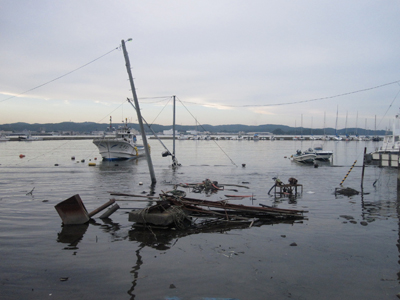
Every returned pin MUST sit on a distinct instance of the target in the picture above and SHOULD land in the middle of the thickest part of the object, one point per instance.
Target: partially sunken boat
(302, 157)
(320, 154)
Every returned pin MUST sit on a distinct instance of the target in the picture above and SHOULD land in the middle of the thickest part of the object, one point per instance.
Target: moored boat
(121, 146)
(391, 142)
(303, 157)
(3, 138)
(320, 154)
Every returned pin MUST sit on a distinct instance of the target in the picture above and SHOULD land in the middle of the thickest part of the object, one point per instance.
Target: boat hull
(304, 158)
(323, 155)
(320, 154)
(118, 150)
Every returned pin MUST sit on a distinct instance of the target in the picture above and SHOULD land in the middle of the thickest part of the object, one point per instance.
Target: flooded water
(347, 248)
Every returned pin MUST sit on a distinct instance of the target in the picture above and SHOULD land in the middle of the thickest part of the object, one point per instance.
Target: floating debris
(172, 210)
(31, 192)
(72, 211)
(346, 191)
(282, 189)
(208, 187)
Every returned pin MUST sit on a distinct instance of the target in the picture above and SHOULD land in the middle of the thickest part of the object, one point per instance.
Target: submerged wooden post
(139, 115)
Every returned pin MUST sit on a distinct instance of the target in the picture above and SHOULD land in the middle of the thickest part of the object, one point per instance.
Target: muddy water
(346, 248)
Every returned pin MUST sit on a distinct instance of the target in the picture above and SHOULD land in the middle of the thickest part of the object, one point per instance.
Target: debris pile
(207, 187)
(173, 209)
(179, 211)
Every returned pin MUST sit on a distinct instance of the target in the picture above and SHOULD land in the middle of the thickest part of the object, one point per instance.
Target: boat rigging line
(301, 101)
(167, 152)
(197, 122)
(59, 77)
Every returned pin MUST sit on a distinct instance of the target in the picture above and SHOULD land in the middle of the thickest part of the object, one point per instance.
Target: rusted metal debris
(289, 189)
(72, 211)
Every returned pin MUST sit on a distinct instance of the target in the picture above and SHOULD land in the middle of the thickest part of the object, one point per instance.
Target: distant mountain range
(89, 127)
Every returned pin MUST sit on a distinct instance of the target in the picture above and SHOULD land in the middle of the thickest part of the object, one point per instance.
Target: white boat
(320, 153)
(121, 146)
(391, 143)
(29, 138)
(337, 138)
(303, 157)
(4, 138)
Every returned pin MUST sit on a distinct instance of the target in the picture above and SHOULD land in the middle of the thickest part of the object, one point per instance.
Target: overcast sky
(228, 62)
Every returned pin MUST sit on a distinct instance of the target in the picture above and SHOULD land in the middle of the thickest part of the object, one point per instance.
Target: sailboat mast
(301, 130)
(173, 130)
(139, 115)
(357, 125)
(337, 114)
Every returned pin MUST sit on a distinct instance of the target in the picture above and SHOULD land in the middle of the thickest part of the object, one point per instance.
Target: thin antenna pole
(135, 98)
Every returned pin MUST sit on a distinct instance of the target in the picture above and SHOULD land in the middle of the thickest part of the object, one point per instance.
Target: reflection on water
(163, 239)
(118, 165)
(72, 235)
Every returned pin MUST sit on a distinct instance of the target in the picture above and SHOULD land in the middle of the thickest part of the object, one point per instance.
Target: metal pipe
(97, 210)
(110, 211)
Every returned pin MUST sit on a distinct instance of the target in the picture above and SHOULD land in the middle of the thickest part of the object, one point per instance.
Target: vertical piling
(363, 168)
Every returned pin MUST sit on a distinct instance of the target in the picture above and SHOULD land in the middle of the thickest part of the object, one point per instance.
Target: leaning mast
(139, 116)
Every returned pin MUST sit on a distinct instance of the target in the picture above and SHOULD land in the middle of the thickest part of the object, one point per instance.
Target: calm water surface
(346, 248)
